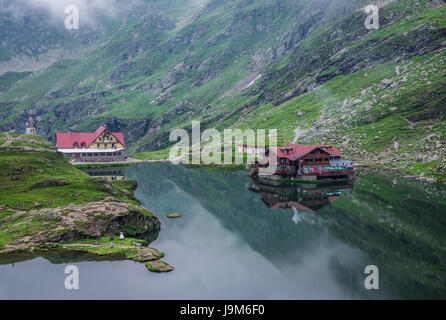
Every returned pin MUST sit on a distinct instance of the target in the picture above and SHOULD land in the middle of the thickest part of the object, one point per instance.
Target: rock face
(88, 220)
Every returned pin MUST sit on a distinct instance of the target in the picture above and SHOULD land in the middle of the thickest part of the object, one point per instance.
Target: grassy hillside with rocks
(47, 204)
(307, 68)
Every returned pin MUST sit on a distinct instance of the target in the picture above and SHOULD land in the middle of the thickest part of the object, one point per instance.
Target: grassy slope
(350, 106)
(130, 103)
(21, 170)
(24, 170)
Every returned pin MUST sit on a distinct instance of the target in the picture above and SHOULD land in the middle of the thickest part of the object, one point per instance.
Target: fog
(89, 10)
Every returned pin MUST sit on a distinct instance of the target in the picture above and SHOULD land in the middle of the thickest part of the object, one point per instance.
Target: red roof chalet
(296, 151)
(71, 140)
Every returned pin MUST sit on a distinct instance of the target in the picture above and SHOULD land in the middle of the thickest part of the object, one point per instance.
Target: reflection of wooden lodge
(302, 196)
(117, 173)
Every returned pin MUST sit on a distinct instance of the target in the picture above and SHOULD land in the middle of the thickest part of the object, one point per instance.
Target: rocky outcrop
(69, 227)
(72, 222)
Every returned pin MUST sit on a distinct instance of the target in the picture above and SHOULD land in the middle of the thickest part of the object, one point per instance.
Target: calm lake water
(241, 239)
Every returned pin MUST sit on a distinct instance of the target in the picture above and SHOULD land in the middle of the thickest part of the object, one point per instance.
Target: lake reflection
(241, 239)
(308, 197)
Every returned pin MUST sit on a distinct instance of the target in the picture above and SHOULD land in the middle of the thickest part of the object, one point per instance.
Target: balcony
(286, 170)
(336, 173)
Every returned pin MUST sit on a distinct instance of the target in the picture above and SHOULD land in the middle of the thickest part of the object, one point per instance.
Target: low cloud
(89, 10)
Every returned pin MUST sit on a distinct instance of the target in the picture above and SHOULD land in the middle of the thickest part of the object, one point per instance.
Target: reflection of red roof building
(302, 196)
(290, 204)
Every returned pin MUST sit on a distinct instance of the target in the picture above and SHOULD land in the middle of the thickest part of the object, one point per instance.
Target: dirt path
(8, 140)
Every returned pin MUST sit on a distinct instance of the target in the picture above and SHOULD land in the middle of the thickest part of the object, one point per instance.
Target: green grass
(153, 155)
(25, 174)
(8, 79)
(22, 170)
(39, 178)
(102, 246)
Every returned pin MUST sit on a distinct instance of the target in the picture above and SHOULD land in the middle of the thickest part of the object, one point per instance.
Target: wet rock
(159, 266)
(88, 220)
(173, 215)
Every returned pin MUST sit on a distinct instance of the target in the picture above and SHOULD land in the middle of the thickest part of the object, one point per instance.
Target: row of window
(109, 139)
(317, 160)
(105, 145)
(108, 154)
(83, 145)
(285, 161)
(76, 145)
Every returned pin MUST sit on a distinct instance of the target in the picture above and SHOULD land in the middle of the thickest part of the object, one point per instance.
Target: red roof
(297, 151)
(331, 150)
(67, 140)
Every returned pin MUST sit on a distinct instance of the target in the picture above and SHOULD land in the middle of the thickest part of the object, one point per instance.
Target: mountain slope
(306, 65)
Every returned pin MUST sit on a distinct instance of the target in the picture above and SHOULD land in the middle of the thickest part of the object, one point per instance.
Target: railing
(316, 163)
(329, 173)
(335, 173)
(285, 171)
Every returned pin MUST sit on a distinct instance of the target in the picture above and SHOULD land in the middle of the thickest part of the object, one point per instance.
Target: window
(75, 145)
(83, 144)
(98, 145)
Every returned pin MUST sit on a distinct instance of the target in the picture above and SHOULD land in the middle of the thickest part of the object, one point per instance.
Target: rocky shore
(47, 205)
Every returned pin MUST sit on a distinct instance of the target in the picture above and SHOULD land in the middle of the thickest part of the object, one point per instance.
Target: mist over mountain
(310, 69)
